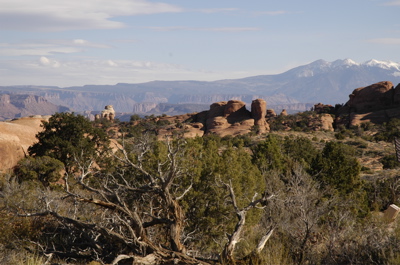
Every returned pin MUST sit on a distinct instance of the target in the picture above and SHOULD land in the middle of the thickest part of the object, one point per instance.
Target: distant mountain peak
(322, 66)
(349, 62)
(346, 62)
(383, 64)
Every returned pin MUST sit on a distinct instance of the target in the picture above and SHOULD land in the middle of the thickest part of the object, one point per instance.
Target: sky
(72, 43)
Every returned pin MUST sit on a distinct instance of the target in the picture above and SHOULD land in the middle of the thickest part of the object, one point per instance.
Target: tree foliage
(195, 201)
(337, 167)
(42, 168)
(67, 137)
(389, 131)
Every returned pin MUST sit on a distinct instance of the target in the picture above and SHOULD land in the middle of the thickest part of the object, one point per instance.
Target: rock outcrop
(259, 112)
(323, 108)
(228, 118)
(223, 118)
(271, 113)
(108, 113)
(376, 103)
(232, 118)
(326, 123)
(372, 98)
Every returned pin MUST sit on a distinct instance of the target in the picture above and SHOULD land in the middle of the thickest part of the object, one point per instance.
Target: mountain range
(295, 90)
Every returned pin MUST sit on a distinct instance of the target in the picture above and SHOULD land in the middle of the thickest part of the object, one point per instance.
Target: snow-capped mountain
(389, 65)
(321, 66)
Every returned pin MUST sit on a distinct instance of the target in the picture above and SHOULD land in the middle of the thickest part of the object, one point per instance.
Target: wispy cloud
(217, 10)
(273, 13)
(386, 41)
(392, 3)
(126, 40)
(80, 72)
(50, 15)
(220, 29)
(48, 47)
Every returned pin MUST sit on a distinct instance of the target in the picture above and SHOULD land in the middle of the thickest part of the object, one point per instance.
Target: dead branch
(228, 251)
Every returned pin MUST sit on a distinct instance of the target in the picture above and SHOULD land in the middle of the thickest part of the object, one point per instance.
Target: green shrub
(42, 168)
(390, 162)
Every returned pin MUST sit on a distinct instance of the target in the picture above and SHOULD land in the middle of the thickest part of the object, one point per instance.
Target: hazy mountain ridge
(22, 105)
(319, 81)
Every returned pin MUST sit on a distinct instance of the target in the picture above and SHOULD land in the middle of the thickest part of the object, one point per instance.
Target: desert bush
(43, 169)
(338, 167)
(388, 131)
(68, 137)
(390, 162)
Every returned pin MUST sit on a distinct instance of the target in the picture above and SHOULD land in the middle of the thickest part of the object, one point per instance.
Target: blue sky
(67, 43)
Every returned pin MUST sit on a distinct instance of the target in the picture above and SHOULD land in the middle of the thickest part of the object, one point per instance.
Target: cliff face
(147, 98)
(15, 105)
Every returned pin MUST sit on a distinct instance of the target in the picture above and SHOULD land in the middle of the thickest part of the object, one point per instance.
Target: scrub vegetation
(84, 195)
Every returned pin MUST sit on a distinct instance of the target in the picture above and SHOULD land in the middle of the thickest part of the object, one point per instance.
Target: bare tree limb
(228, 251)
(263, 241)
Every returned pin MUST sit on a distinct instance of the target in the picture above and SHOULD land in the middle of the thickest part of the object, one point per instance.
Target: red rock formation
(235, 107)
(326, 122)
(284, 113)
(228, 118)
(376, 103)
(322, 108)
(371, 98)
(271, 113)
(108, 113)
(396, 96)
(15, 138)
(217, 109)
(259, 112)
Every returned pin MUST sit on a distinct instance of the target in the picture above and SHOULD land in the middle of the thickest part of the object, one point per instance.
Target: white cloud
(234, 29)
(51, 15)
(217, 10)
(392, 3)
(49, 62)
(222, 29)
(126, 40)
(112, 63)
(48, 47)
(272, 13)
(386, 41)
(47, 71)
(80, 41)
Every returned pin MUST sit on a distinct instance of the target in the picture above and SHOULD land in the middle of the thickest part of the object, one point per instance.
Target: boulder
(271, 113)
(391, 212)
(284, 113)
